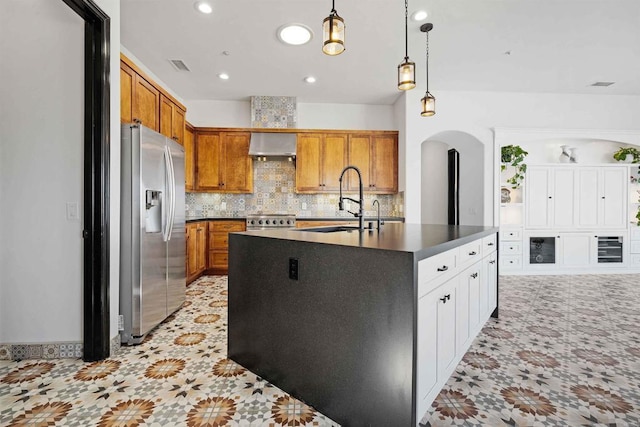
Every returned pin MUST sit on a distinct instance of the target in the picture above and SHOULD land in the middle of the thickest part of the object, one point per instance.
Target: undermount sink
(332, 229)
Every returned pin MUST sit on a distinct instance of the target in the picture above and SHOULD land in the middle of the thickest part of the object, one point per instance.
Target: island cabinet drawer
(635, 233)
(489, 244)
(470, 253)
(434, 270)
(634, 248)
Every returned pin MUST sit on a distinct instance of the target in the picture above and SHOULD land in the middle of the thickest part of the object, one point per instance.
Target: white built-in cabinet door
(538, 201)
(550, 197)
(576, 197)
(601, 197)
(613, 184)
(575, 249)
(563, 185)
(588, 199)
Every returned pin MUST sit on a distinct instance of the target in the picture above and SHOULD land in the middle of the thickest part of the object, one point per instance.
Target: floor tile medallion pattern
(179, 376)
(565, 352)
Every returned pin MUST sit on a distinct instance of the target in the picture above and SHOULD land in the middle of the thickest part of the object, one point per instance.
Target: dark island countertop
(194, 218)
(423, 240)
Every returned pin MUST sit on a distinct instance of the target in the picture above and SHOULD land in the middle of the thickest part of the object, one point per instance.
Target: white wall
(41, 155)
(478, 113)
(310, 116)
(41, 170)
(435, 183)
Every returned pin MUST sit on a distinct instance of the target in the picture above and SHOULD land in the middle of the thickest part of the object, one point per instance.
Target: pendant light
(407, 69)
(333, 32)
(429, 101)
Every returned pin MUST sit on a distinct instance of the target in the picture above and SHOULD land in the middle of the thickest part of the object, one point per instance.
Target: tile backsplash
(274, 192)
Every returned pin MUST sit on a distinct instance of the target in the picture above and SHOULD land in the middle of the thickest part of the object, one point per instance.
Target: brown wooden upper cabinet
(171, 119)
(320, 157)
(140, 100)
(189, 158)
(145, 102)
(223, 163)
(376, 155)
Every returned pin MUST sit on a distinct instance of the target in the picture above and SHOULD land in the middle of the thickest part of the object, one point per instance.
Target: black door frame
(97, 122)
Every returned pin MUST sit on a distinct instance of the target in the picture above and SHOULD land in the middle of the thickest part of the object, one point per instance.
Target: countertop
(424, 240)
(341, 219)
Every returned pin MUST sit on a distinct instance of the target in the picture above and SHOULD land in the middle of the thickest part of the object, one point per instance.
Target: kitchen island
(366, 327)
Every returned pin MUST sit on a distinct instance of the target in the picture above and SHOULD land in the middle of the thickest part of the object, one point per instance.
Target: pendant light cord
(333, 7)
(427, 62)
(406, 30)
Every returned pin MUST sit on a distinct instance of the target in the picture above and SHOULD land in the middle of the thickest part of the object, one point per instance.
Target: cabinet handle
(443, 268)
(492, 262)
(474, 275)
(445, 298)
(490, 244)
(472, 253)
(603, 197)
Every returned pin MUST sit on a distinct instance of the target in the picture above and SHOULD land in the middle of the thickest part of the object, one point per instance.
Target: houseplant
(623, 152)
(513, 155)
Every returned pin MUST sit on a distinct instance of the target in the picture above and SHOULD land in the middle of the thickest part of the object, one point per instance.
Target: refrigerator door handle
(172, 186)
(166, 209)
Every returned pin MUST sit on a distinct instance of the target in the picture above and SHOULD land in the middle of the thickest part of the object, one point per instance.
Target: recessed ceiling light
(294, 34)
(203, 6)
(419, 15)
(223, 76)
(310, 79)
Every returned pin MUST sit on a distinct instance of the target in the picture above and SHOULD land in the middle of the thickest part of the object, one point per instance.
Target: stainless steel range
(270, 221)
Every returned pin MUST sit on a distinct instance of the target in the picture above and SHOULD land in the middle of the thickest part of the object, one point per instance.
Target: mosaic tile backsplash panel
(273, 111)
(274, 192)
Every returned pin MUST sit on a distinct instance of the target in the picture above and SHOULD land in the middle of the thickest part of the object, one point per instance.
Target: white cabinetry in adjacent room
(549, 199)
(576, 249)
(601, 197)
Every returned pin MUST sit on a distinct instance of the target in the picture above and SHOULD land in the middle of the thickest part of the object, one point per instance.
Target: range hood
(272, 144)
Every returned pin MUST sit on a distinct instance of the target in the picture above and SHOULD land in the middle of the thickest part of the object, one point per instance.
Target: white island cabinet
(457, 293)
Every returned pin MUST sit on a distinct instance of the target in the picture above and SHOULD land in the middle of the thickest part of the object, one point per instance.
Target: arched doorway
(434, 178)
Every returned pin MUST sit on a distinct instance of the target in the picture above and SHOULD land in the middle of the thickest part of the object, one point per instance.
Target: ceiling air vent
(602, 84)
(179, 65)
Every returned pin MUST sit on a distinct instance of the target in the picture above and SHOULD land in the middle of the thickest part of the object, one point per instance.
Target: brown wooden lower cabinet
(219, 243)
(208, 246)
(196, 262)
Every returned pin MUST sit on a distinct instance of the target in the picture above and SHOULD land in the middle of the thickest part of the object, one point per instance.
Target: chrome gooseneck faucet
(360, 213)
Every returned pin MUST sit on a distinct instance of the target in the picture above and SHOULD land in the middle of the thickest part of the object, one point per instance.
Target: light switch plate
(73, 213)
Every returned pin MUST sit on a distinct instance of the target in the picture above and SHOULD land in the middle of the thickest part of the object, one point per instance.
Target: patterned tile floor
(565, 352)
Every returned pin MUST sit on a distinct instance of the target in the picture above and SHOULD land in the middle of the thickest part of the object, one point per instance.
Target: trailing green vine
(514, 155)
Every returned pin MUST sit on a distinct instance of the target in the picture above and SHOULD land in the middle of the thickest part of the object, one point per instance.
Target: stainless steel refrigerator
(152, 231)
